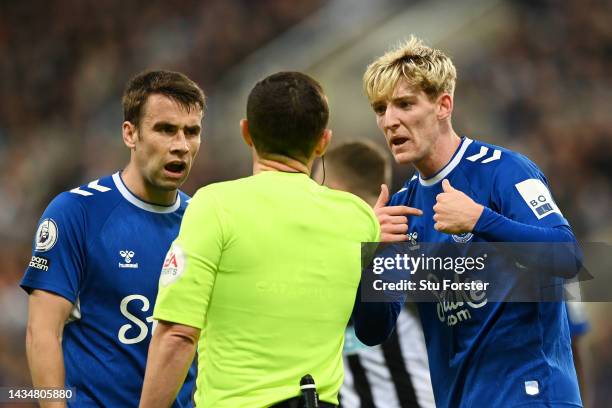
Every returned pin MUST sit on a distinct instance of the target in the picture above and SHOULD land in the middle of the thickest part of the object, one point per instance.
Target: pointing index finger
(401, 210)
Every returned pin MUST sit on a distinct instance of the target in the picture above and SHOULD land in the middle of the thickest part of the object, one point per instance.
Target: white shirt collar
(441, 175)
(127, 194)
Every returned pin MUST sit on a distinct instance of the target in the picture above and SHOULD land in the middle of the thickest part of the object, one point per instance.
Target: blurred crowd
(64, 66)
(546, 91)
(543, 89)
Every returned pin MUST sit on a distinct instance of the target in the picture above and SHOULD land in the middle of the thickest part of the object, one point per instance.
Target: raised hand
(393, 220)
(455, 212)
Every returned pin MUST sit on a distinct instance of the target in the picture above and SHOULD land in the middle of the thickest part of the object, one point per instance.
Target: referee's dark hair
(287, 113)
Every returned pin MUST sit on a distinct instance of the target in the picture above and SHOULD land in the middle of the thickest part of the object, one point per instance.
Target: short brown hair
(174, 85)
(287, 113)
(360, 166)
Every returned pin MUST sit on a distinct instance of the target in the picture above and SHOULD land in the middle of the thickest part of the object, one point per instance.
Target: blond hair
(425, 68)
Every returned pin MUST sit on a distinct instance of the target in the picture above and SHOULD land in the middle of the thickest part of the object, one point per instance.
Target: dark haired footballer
(99, 249)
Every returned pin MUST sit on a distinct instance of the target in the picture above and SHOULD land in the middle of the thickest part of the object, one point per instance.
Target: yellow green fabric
(271, 268)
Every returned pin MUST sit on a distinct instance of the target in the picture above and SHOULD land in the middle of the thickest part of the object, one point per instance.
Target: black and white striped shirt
(392, 375)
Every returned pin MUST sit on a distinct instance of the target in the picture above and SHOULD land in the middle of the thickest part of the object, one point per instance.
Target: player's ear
(130, 134)
(445, 106)
(246, 134)
(321, 146)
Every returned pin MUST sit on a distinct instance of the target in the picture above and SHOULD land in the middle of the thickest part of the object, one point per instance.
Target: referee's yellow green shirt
(268, 267)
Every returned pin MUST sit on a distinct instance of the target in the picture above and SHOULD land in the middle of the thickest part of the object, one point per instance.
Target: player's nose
(180, 143)
(391, 119)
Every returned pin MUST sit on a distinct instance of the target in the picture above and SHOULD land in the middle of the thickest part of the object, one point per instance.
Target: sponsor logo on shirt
(127, 256)
(455, 307)
(46, 235)
(137, 330)
(538, 197)
(39, 262)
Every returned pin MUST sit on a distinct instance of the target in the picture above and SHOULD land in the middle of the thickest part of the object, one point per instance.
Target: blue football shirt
(102, 248)
(484, 353)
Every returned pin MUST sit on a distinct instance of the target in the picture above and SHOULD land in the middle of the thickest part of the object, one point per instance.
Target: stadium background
(534, 76)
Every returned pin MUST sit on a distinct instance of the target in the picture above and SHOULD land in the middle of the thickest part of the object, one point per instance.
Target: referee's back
(274, 291)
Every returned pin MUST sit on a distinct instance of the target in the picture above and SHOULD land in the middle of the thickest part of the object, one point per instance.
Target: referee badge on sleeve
(174, 265)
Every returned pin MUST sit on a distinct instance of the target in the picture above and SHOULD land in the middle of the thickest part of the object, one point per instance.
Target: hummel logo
(412, 239)
(127, 257)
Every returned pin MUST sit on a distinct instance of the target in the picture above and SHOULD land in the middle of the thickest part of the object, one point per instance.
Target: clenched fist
(455, 212)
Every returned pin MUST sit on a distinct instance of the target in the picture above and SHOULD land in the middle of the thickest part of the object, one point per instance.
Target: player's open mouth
(398, 140)
(176, 167)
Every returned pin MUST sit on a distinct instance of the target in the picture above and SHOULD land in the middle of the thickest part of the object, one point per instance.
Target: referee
(264, 272)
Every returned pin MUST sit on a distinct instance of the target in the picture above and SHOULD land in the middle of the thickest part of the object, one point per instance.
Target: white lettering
(378, 269)
(144, 330)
